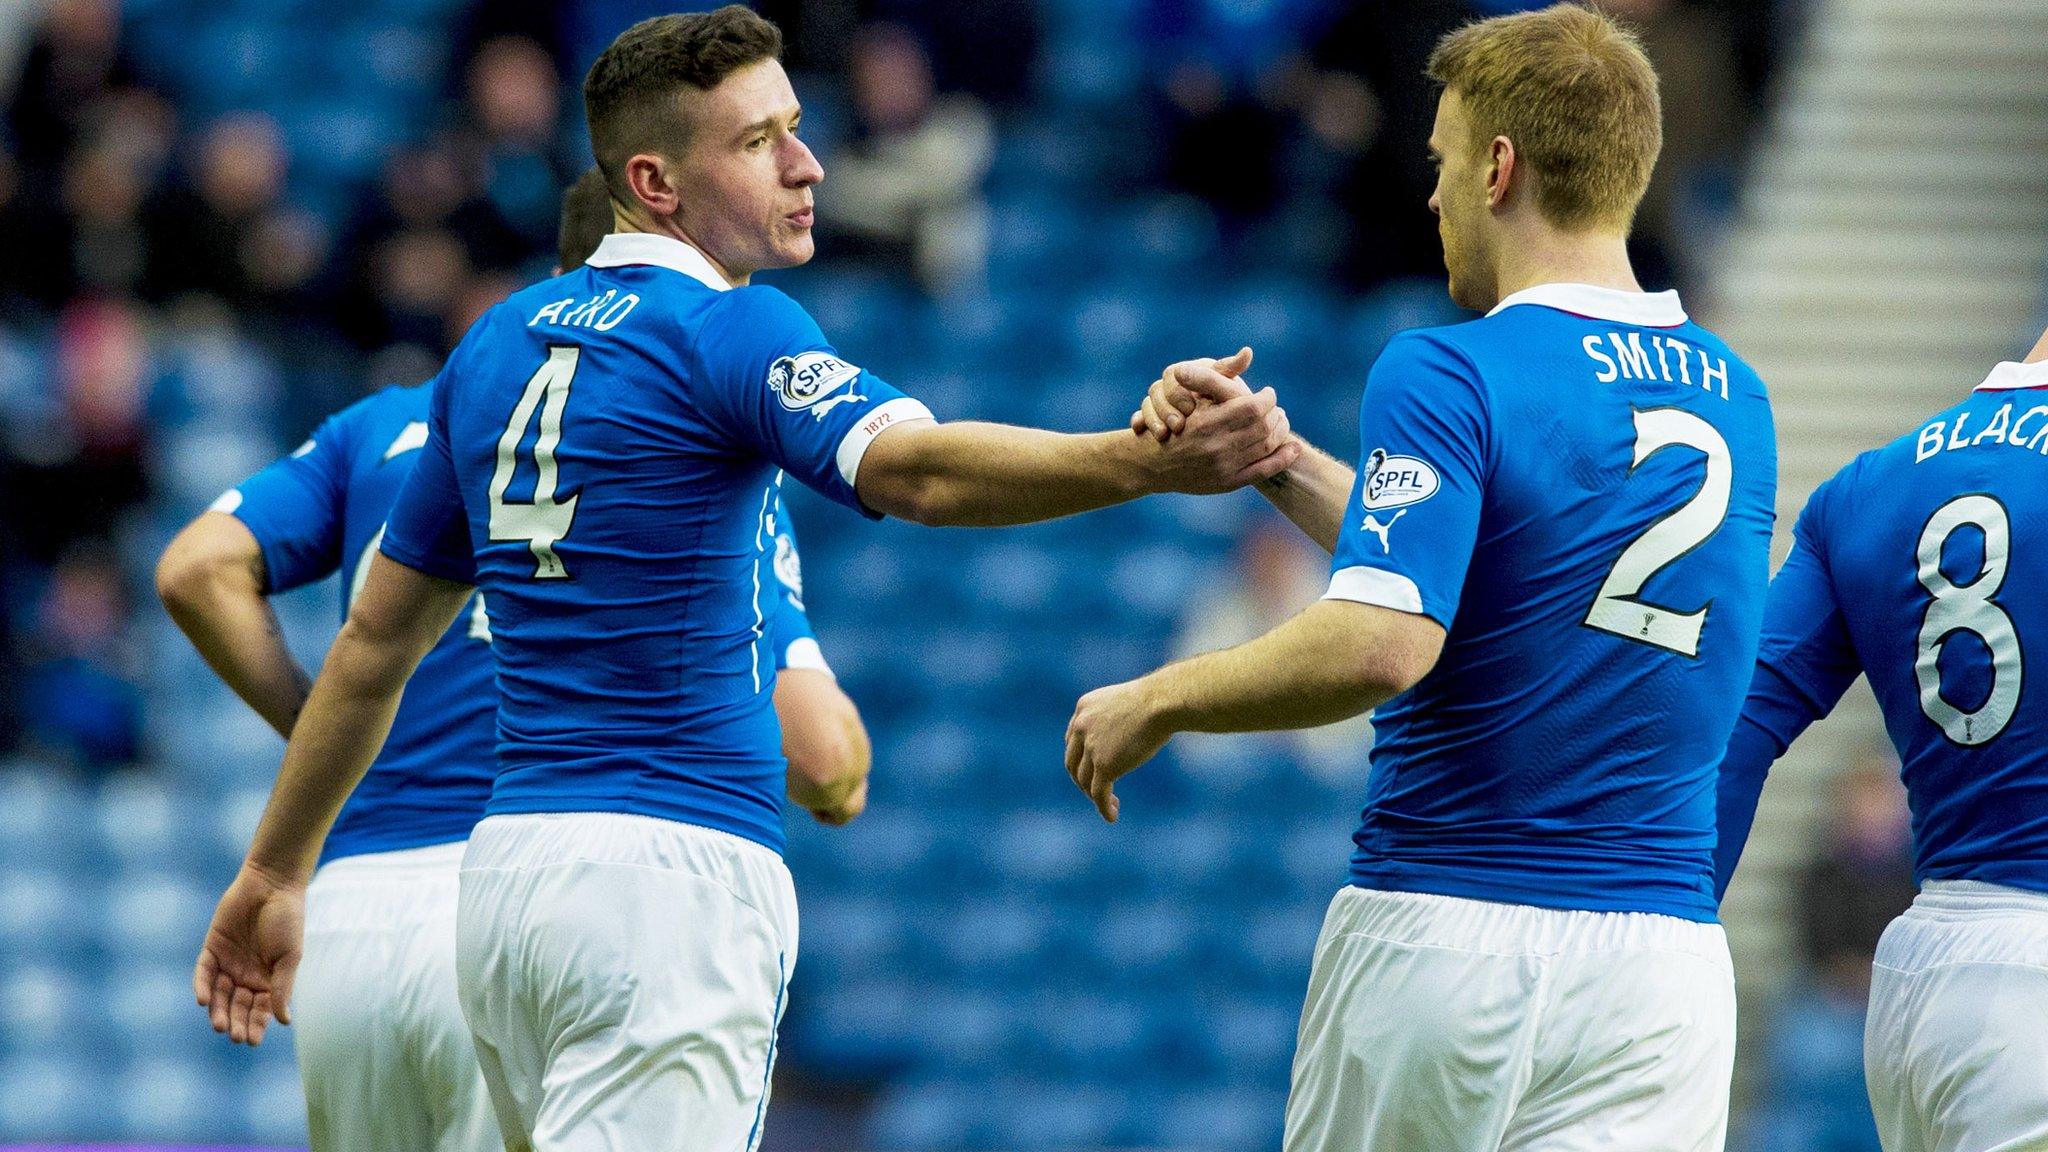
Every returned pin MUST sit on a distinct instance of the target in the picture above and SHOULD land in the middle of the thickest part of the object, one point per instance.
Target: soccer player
(602, 461)
(383, 1050)
(1548, 576)
(1914, 566)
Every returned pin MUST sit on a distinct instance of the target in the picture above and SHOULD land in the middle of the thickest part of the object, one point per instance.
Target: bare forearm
(822, 737)
(337, 737)
(1331, 662)
(211, 580)
(237, 634)
(1312, 494)
(970, 474)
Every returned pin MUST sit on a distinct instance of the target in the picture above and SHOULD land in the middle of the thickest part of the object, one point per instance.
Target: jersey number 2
(1617, 608)
(1968, 608)
(544, 522)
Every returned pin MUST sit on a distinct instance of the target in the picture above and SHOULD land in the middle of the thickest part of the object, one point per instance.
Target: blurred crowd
(201, 262)
(143, 229)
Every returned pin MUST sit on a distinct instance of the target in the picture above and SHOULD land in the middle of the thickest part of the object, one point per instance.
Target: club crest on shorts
(803, 380)
(1397, 481)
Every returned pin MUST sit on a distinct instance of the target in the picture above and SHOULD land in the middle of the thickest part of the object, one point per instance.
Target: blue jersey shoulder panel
(1586, 505)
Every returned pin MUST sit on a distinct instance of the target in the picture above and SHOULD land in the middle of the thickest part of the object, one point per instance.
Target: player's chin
(794, 246)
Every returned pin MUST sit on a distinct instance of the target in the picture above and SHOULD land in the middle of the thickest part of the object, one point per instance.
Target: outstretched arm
(251, 952)
(211, 579)
(974, 474)
(1805, 662)
(1333, 661)
(1310, 492)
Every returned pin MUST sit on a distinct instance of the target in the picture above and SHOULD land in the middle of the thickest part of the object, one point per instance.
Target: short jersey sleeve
(789, 627)
(1409, 527)
(777, 387)
(427, 530)
(296, 507)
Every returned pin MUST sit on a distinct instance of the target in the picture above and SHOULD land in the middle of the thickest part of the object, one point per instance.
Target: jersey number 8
(544, 522)
(1968, 608)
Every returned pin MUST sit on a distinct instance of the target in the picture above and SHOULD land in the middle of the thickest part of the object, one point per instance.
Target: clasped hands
(1118, 727)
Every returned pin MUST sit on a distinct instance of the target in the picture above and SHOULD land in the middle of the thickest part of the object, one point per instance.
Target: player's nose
(802, 168)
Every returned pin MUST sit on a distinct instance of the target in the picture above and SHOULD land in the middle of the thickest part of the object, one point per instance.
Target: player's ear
(648, 175)
(1501, 170)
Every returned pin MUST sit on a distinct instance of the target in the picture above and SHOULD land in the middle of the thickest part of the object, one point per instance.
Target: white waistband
(432, 860)
(1973, 896)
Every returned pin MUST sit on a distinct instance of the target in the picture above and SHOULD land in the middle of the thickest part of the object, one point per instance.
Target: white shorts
(624, 977)
(383, 1049)
(1449, 1025)
(1955, 1049)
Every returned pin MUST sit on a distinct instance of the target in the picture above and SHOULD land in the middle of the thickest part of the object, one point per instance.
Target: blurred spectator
(988, 49)
(1813, 1098)
(1695, 58)
(1224, 141)
(1276, 572)
(79, 694)
(1861, 879)
(202, 235)
(1369, 62)
(415, 242)
(514, 110)
(75, 58)
(908, 189)
(78, 462)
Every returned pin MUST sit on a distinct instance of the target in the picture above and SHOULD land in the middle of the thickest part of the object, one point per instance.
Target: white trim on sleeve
(228, 502)
(1375, 586)
(803, 652)
(901, 410)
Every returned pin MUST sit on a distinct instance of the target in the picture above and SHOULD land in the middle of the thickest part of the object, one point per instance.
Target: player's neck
(622, 222)
(2040, 351)
(1543, 256)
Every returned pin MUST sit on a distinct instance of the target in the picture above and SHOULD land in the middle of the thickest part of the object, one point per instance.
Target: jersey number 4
(545, 521)
(1618, 608)
(1968, 608)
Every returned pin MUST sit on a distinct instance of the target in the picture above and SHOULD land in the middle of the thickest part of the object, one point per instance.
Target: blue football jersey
(321, 510)
(1913, 566)
(1579, 488)
(602, 461)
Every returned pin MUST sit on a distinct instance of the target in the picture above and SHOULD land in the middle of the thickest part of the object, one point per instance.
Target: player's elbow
(1390, 653)
(828, 757)
(900, 476)
(204, 560)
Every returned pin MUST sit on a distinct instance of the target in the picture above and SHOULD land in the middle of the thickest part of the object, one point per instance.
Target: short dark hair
(586, 220)
(629, 98)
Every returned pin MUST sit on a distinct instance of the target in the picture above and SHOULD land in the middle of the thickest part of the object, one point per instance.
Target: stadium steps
(1890, 249)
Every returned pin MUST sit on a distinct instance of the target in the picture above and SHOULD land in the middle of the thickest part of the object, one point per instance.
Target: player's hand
(843, 811)
(1225, 446)
(1169, 401)
(1114, 730)
(245, 970)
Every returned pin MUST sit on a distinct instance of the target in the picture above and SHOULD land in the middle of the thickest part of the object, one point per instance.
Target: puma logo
(1373, 525)
(831, 402)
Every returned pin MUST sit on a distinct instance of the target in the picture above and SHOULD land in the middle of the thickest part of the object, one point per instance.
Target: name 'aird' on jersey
(602, 460)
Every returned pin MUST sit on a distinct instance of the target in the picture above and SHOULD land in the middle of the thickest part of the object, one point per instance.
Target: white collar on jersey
(2011, 375)
(661, 251)
(1643, 309)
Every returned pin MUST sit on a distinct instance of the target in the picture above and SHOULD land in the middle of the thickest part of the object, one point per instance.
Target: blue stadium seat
(1076, 1113)
(924, 1115)
(1225, 1118)
(41, 818)
(51, 1097)
(151, 915)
